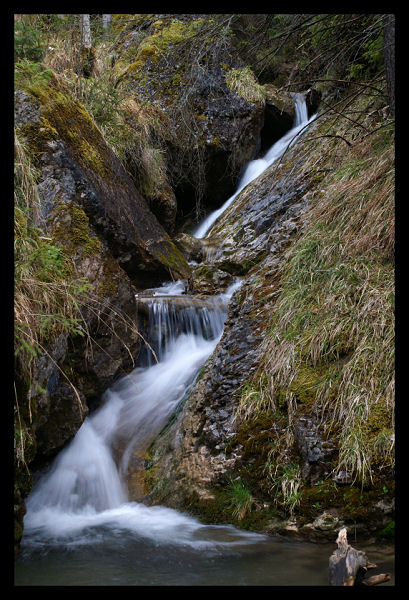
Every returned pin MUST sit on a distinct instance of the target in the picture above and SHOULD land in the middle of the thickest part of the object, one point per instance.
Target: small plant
(285, 484)
(388, 532)
(239, 498)
(102, 100)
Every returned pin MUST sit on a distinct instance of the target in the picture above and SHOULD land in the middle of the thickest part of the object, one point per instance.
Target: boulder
(212, 126)
(78, 164)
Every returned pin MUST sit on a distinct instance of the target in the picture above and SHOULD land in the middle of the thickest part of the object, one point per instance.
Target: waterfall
(300, 108)
(256, 167)
(85, 487)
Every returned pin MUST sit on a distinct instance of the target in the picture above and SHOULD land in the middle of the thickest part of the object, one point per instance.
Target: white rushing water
(256, 167)
(84, 489)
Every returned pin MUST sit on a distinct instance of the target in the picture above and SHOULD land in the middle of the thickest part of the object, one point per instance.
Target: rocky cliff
(89, 208)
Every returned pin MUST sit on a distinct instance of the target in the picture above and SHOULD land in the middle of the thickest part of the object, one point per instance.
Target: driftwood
(348, 566)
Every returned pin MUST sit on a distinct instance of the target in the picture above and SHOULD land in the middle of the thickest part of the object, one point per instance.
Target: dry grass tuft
(244, 83)
(50, 298)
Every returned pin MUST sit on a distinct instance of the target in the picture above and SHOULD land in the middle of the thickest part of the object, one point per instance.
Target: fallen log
(348, 567)
(375, 579)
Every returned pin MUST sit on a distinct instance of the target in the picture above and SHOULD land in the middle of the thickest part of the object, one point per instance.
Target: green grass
(239, 499)
(331, 334)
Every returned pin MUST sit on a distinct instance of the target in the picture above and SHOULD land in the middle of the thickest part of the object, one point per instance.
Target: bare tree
(85, 31)
(106, 22)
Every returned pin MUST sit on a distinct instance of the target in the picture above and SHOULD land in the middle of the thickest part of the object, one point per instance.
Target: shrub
(28, 40)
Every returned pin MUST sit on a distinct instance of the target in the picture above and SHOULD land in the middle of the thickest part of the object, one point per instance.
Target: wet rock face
(313, 99)
(234, 361)
(192, 458)
(260, 221)
(203, 447)
(77, 165)
(212, 131)
(278, 117)
(228, 135)
(69, 378)
(314, 450)
(58, 409)
(192, 453)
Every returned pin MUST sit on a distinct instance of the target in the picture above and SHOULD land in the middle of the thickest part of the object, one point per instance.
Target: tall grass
(46, 292)
(332, 331)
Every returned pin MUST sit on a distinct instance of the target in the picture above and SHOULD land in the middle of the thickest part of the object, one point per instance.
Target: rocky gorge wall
(90, 207)
(282, 457)
(217, 458)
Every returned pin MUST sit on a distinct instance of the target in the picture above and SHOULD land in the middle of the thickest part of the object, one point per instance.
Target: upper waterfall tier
(258, 166)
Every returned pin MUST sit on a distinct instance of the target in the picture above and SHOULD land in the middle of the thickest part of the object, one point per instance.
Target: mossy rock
(109, 198)
(212, 131)
(71, 229)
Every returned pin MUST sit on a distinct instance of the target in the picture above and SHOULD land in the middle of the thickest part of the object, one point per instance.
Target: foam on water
(83, 493)
(54, 526)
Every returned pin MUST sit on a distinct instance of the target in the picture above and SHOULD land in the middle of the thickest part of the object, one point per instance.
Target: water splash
(84, 490)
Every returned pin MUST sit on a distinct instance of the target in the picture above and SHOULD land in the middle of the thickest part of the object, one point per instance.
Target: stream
(82, 529)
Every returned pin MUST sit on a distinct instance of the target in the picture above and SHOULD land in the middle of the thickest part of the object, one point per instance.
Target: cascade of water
(84, 486)
(300, 108)
(256, 167)
(169, 319)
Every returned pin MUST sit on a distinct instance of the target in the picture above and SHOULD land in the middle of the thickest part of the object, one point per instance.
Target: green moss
(204, 272)
(257, 438)
(65, 118)
(122, 22)
(37, 136)
(108, 284)
(352, 501)
(308, 380)
(74, 232)
(160, 42)
(174, 260)
(220, 509)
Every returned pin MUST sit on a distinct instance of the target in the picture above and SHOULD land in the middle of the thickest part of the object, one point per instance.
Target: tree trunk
(389, 58)
(106, 22)
(87, 54)
(348, 567)
(85, 31)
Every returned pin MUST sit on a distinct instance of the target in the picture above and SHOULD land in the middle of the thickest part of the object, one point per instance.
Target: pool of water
(218, 556)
